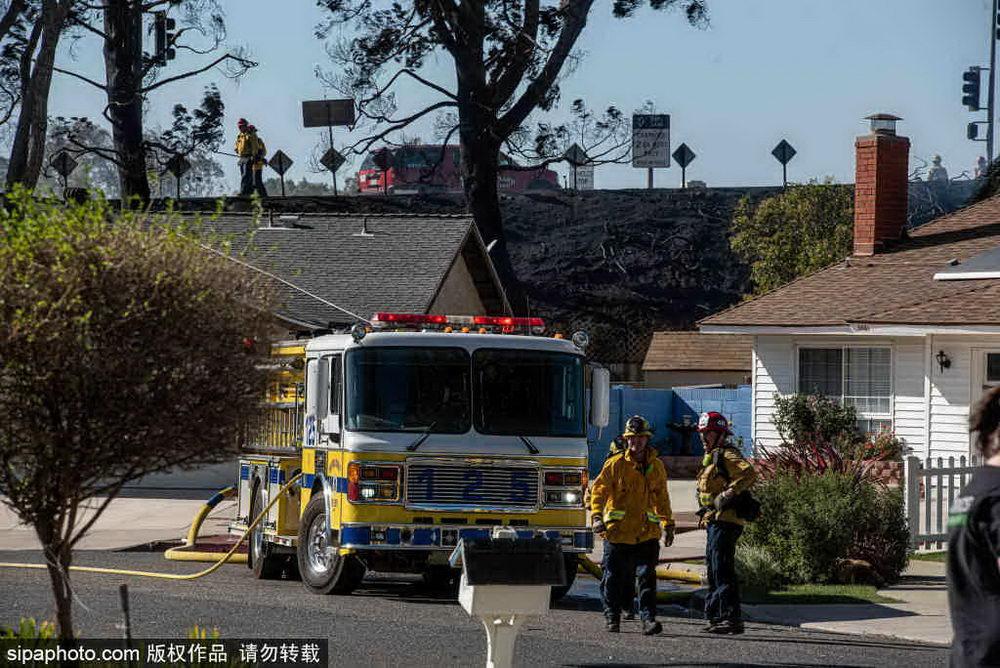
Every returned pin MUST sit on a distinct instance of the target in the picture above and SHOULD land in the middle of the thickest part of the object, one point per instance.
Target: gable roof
(362, 263)
(694, 351)
(892, 287)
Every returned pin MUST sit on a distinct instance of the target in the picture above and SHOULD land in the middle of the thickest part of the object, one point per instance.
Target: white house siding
(775, 372)
(909, 408)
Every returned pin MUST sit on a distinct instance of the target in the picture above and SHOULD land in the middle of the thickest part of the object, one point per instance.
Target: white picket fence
(931, 486)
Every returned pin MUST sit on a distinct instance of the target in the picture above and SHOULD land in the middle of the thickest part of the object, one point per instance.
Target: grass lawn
(820, 595)
(930, 556)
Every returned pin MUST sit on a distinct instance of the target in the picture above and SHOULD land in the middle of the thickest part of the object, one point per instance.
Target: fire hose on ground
(182, 553)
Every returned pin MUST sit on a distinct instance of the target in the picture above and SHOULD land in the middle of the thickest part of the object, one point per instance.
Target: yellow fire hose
(181, 553)
(662, 573)
(173, 576)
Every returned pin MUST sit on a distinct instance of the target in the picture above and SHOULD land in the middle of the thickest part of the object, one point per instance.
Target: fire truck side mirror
(600, 397)
(312, 388)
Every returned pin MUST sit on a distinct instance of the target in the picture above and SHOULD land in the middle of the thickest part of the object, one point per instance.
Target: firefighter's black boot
(612, 624)
(651, 627)
(731, 627)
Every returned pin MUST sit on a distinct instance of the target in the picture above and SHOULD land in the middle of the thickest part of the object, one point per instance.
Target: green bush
(881, 536)
(806, 419)
(29, 629)
(812, 523)
(757, 569)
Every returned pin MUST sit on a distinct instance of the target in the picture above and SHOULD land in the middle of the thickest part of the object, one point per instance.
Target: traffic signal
(970, 88)
(972, 131)
(163, 27)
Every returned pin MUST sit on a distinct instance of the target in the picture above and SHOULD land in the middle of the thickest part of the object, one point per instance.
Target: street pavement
(395, 622)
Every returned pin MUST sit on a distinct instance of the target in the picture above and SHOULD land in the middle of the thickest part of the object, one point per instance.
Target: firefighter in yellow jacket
(630, 509)
(726, 505)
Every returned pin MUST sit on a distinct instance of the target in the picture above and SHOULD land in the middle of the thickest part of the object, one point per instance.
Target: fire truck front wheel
(323, 571)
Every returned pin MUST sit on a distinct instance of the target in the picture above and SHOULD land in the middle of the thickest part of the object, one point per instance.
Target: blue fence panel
(655, 405)
(735, 404)
(674, 416)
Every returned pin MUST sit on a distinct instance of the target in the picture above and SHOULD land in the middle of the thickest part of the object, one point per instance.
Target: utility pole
(991, 95)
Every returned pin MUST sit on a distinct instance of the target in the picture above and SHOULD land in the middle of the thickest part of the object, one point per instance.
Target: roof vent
(364, 229)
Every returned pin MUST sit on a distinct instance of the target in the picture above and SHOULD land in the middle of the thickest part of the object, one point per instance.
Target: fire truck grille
(511, 486)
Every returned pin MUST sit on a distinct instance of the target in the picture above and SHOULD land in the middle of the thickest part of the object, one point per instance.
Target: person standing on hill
(974, 548)
(244, 148)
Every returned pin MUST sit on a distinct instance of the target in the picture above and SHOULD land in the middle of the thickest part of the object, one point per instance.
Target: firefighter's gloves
(668, 535)
(597, 524)
(724, 498)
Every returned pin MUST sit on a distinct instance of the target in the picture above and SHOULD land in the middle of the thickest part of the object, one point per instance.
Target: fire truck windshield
(528, 393)
(408, 390)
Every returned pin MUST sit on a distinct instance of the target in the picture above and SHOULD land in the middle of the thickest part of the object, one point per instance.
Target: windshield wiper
(423, 437)
(528, 444)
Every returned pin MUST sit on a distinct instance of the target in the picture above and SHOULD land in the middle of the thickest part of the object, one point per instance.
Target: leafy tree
(30, 32)
(126, 348)
(94, 171)
(792, 234)
(508, 56)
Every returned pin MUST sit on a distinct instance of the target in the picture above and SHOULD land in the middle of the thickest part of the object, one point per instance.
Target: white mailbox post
(507, 580)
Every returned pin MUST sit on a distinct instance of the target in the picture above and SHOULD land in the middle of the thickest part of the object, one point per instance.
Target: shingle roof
(896, 286)
(363, 264)
(694, 351)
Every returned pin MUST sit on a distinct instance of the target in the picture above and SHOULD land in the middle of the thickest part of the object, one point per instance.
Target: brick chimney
(880, 185)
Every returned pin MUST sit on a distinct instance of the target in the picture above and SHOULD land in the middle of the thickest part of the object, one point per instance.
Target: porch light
(943, 360)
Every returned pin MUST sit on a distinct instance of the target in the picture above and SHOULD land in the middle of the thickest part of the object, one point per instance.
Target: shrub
(757, 568)
(881, 536)
(29, 629)
(811, 523)
(802, 418)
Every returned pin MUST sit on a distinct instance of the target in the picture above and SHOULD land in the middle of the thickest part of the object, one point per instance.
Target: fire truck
(412, 433)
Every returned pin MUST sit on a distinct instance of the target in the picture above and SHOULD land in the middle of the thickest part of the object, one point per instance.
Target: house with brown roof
(906, 329)
(683, 359)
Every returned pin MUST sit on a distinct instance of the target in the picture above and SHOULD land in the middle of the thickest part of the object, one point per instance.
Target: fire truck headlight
(367, 492)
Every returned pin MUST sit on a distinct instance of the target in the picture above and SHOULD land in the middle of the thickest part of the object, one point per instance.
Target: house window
(859, 377)
(992, 370)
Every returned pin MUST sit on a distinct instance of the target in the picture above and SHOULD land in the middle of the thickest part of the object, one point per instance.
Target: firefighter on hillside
(259, 156)
(723, 479)
(245, 148)
(630, 509)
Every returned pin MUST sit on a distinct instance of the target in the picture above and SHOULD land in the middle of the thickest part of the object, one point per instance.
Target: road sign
(178, 165)
(575, 155)
(64, 163)
(581, 177)
(280, 162)
(684, 155)
(332, 159)
(324, 113)
(650, 140)
(783, 152)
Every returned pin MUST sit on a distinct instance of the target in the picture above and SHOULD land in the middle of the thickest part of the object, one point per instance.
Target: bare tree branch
(80, 77)
(243, 62)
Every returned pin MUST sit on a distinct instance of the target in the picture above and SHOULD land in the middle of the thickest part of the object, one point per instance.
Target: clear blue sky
(763, 70)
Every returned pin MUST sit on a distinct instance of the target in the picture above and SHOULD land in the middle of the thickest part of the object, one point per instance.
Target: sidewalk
(921, 613)
(126, 522)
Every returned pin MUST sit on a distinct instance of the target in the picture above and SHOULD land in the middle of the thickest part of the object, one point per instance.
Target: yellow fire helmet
(637, 426)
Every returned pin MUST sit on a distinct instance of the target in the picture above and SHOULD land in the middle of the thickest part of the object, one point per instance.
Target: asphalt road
(397, 623)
